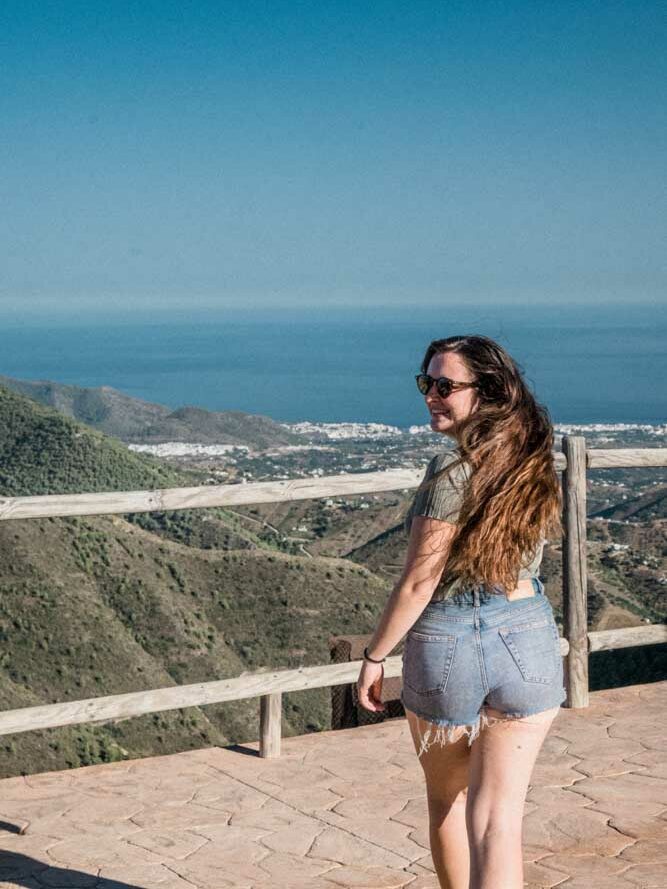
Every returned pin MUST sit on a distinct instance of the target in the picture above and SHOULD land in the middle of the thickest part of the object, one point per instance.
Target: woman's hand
(369, 687)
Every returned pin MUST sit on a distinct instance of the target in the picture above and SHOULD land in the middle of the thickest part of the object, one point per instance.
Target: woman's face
(446, 413)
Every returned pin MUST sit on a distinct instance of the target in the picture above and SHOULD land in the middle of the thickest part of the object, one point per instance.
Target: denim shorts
(476, 649)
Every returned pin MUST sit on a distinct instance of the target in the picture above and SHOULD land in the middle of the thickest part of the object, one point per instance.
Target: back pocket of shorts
(427, 662)
(535, 648)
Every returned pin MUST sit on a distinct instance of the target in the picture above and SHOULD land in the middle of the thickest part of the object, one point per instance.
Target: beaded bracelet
(372, 660)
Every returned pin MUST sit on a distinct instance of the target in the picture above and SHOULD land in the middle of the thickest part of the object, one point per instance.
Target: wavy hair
(513, 499)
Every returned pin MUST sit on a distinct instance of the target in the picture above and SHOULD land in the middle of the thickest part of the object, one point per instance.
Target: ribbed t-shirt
(443, 500)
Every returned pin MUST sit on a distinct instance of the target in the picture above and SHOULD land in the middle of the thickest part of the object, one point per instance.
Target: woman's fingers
(369, 691)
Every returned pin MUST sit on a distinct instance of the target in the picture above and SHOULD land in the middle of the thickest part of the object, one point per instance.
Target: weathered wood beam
(575, 589)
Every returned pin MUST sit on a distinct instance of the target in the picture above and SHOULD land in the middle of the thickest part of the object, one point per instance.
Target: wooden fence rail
(270, 685)
(124, 502)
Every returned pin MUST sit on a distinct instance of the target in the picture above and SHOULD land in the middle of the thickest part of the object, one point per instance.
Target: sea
(586, 364)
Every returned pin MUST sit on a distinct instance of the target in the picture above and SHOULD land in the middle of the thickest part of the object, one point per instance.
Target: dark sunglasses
(444, 385)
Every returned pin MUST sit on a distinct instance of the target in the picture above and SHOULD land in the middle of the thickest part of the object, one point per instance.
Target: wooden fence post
(270, 714)
(575, 587)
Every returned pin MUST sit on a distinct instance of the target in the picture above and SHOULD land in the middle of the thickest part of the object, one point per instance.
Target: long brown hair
(512, 500)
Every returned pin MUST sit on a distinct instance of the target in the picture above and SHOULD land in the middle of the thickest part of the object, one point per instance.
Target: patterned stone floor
(341, 809)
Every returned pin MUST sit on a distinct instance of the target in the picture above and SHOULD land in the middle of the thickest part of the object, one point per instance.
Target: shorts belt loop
(476, 597)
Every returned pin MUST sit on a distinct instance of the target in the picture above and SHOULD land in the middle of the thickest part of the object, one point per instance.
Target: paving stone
(594, 867)
(172, 882)
(206, 876)
(47, 781)
(274, 815)
(534, 853)
(425, 863)
(33, 811)
(339, 846)
(231, 849)
(300, 883)
(97, 851)
(167, 817)
(425, 881)
(637, 824)
(64, 827)
(170, 844)
(637, 788)
(653, 762)
(579, 830)
(372, 806)
(230, 796)
(136, 874)
(24, 845)
(201, 868)
(555, 797)
(310, 802)
(603, 766)
(58, 876)
(595, 813)
(537, 876)
(614, 882)
(369, 878)
(282, 867)
(291, 841)
(288, 774)
(378, 830)
(19, 789)
(414, 813)
(420, 835)
(646, 876)
(352, 766)
(646, 852)
(557, 771)
(605, 747)
(652, 737)
(91, 811)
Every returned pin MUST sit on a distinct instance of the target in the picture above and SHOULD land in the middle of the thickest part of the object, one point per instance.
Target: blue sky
(245, 154)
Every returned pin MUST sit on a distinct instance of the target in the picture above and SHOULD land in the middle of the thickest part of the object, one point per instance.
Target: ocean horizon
(586, 365)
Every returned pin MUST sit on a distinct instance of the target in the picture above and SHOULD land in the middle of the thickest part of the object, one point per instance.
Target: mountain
(134, 420)
(103, 605)
(103, 408)
(194, 424)
(98, 606)
(44, 452)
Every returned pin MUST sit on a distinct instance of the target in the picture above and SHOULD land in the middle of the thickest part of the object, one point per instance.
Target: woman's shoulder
(450, 464)
(440, 494)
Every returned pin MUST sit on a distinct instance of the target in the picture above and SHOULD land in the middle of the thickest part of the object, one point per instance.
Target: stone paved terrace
(340, 809)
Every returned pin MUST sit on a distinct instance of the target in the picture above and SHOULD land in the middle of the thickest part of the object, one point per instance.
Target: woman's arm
(428, 548)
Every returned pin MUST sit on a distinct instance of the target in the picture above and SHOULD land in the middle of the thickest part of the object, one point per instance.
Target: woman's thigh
(501, 763)
(445, 765)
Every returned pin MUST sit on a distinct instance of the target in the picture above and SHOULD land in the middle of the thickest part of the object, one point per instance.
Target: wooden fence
(576, 643)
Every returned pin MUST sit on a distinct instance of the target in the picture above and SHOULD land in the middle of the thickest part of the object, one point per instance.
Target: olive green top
(443, 500)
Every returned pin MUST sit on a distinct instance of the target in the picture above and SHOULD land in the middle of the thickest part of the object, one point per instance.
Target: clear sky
(192, 154)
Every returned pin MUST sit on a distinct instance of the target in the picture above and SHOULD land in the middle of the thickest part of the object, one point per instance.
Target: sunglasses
(444, 385)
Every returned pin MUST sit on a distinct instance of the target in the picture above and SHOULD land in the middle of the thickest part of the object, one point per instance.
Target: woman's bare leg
(501, 763)
(446, 772)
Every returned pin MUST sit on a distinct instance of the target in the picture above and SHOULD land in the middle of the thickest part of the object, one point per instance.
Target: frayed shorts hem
(446, 730)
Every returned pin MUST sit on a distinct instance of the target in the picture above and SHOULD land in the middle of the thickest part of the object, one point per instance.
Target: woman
(482, 672)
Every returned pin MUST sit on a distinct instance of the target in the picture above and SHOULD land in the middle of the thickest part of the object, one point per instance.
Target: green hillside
(44, 452)
(104, 605)
(135, 420)
(194, 424)
(103, 408)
